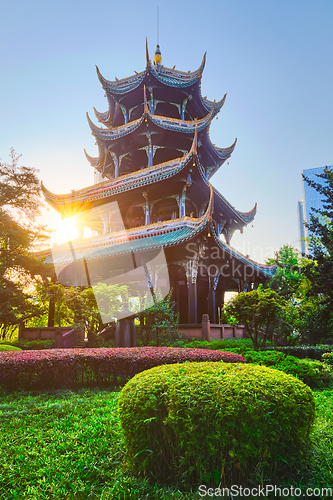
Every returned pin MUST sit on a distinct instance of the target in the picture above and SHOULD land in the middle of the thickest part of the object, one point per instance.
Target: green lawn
(67, 445)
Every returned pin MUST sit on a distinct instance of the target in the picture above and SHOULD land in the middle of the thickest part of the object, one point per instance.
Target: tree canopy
(320, 268)
(260, 311)
(20, 204)
(288, 279)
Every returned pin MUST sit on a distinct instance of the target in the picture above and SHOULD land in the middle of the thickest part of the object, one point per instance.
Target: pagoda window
(203, 209)
(163, 154)
(135, 216)
(165, 209)
(191, 209)
(116, 222)
(171, 110)
(135, 161)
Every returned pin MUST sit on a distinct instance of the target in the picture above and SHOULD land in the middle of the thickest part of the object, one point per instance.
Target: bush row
(306, 351)
(5, 347)
(65, 368)
(225, 344)
(312, 372)
(25, 344)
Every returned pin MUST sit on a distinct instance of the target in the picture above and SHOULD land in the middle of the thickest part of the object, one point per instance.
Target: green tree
(260, 311)
(288, 280)
(96, 307)
(88, 308)
(159, 323)
(319, 268)
(20, 204)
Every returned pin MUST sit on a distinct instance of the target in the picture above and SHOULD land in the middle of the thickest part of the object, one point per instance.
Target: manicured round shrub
(5, 347)
(204, 423)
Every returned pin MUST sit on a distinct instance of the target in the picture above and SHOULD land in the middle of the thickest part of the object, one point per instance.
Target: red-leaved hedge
(70, 368)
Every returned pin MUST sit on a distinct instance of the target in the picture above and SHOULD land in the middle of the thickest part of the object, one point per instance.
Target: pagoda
(152, 194)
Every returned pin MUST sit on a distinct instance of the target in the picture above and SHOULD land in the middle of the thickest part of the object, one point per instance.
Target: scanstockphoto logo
(109, 260)
(267, 491)
(214, 261)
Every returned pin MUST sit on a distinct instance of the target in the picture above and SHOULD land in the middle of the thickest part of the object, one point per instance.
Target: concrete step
(80, 344)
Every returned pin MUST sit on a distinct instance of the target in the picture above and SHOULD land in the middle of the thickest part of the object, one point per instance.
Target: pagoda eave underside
(150, 180)
(175, 241)
(158, 93)
(166, 144)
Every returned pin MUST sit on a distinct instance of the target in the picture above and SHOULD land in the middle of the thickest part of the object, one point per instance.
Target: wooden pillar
(147, 208)
(211, 301)
(125, 335)
(182, 209)
(149, 149)
(192, 301)
(220, 301)
(182, 115)
(116, 166)
(105, 220)
(80, 228)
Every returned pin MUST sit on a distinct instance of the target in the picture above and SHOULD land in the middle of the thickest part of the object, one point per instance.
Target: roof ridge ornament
(145, 104)
(158, 55)
(148, 63)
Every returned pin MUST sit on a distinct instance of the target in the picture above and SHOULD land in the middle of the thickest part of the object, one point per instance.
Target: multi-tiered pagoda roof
(155, 160)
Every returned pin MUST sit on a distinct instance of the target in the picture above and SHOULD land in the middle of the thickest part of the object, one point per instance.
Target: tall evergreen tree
(320, 268)
(19, 234)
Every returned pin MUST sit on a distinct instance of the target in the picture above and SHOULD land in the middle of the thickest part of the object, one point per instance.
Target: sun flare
(65, 230)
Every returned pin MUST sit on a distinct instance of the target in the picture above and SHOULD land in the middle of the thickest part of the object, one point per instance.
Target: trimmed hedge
(214, 422)
(305, 351)
(65, 368)
(313, 373)
(25, 344)
(5, 347)
(239, 345)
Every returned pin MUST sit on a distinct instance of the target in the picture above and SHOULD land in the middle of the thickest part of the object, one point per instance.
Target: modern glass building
(311, 199)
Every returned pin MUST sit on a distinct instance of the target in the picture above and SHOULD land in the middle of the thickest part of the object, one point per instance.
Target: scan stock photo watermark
(267, 491)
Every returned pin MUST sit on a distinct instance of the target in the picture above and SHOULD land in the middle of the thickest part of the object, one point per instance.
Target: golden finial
(158, 55)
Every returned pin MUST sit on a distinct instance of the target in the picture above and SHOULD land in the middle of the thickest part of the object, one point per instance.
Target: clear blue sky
(273, 57)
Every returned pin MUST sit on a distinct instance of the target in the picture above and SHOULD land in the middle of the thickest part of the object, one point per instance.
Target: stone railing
(108, 332)
(210, 331)
(63, 336)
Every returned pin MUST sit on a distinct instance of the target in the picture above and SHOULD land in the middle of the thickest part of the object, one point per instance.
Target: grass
(67, 445)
